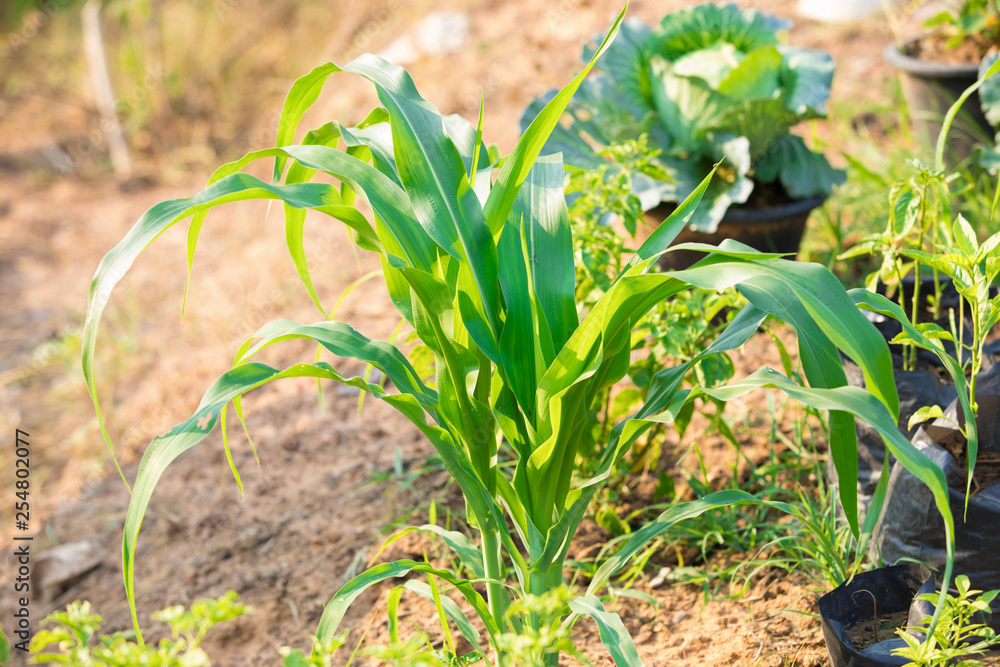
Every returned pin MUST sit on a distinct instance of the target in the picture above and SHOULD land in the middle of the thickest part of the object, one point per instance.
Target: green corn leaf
(518, 342)
(345, 341)
(541, 205)
(377, 138)
(295, 218)
(869, 409)
(302, 95)
(451, 608)
(668, 230)
(335, 609)
(154, 222)
(518, 164)
(172, 443)
(614, 636)
(430, 169)
(247, 376)
(670, 518)
(880, 304)
(663, 402)
(469, 142)
(819, 297)
(392, 611)
(456, 541)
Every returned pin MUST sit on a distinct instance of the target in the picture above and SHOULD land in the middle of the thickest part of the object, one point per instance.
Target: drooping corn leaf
(451, 608)
(880, 304)
(112, 269)
(844, 399)
(614, 636)
(338, 605)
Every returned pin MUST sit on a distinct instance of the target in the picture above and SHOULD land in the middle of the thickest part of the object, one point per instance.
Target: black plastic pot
(930, 88)
(887, 590)
(776, 229)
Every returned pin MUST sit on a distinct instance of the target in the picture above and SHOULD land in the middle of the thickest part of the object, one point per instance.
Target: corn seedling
(477, 258)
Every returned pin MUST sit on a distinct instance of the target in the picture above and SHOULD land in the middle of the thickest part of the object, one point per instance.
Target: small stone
(660, 578)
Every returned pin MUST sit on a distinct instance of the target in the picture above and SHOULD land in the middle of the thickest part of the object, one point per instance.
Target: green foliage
(675, 329)
(973, 268)
(919, 208)
(77, 626)
(950, 248)
(477, 258)
(970, 18)
(817, 542)
(321, 654)
(957, 637)
(13, 12)
(709, 82)
(4, 647)
(597, 197)
(547, 636)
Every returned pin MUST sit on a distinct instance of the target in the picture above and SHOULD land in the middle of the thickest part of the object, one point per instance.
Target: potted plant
(936, 67)
(709, 84)
(917, 228)
(881, 618)
(477, 259)
(916, 206)
(955, 439)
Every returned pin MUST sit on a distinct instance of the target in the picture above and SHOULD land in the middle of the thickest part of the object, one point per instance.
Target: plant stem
(494, 587)
(977, 356)
(902, 305)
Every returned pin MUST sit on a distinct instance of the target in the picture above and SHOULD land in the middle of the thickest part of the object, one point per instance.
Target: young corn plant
(477, 258)
(973, 268)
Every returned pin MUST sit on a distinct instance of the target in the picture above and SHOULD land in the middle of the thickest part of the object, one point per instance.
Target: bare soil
(328, 489)
(934, 48)
(871, 632)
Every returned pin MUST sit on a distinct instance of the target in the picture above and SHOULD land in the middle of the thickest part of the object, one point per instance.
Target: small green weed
(77, 626)
(956, 636)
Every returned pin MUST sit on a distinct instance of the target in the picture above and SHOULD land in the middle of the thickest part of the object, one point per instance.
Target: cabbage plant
(477, 259)
(708, 83)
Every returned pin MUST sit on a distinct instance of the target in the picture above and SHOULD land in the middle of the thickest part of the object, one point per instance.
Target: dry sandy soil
(319, 503)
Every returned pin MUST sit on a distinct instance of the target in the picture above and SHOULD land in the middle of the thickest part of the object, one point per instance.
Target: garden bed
(330, 482)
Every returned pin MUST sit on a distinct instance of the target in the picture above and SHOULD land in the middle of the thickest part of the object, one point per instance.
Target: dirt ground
(327, 489)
